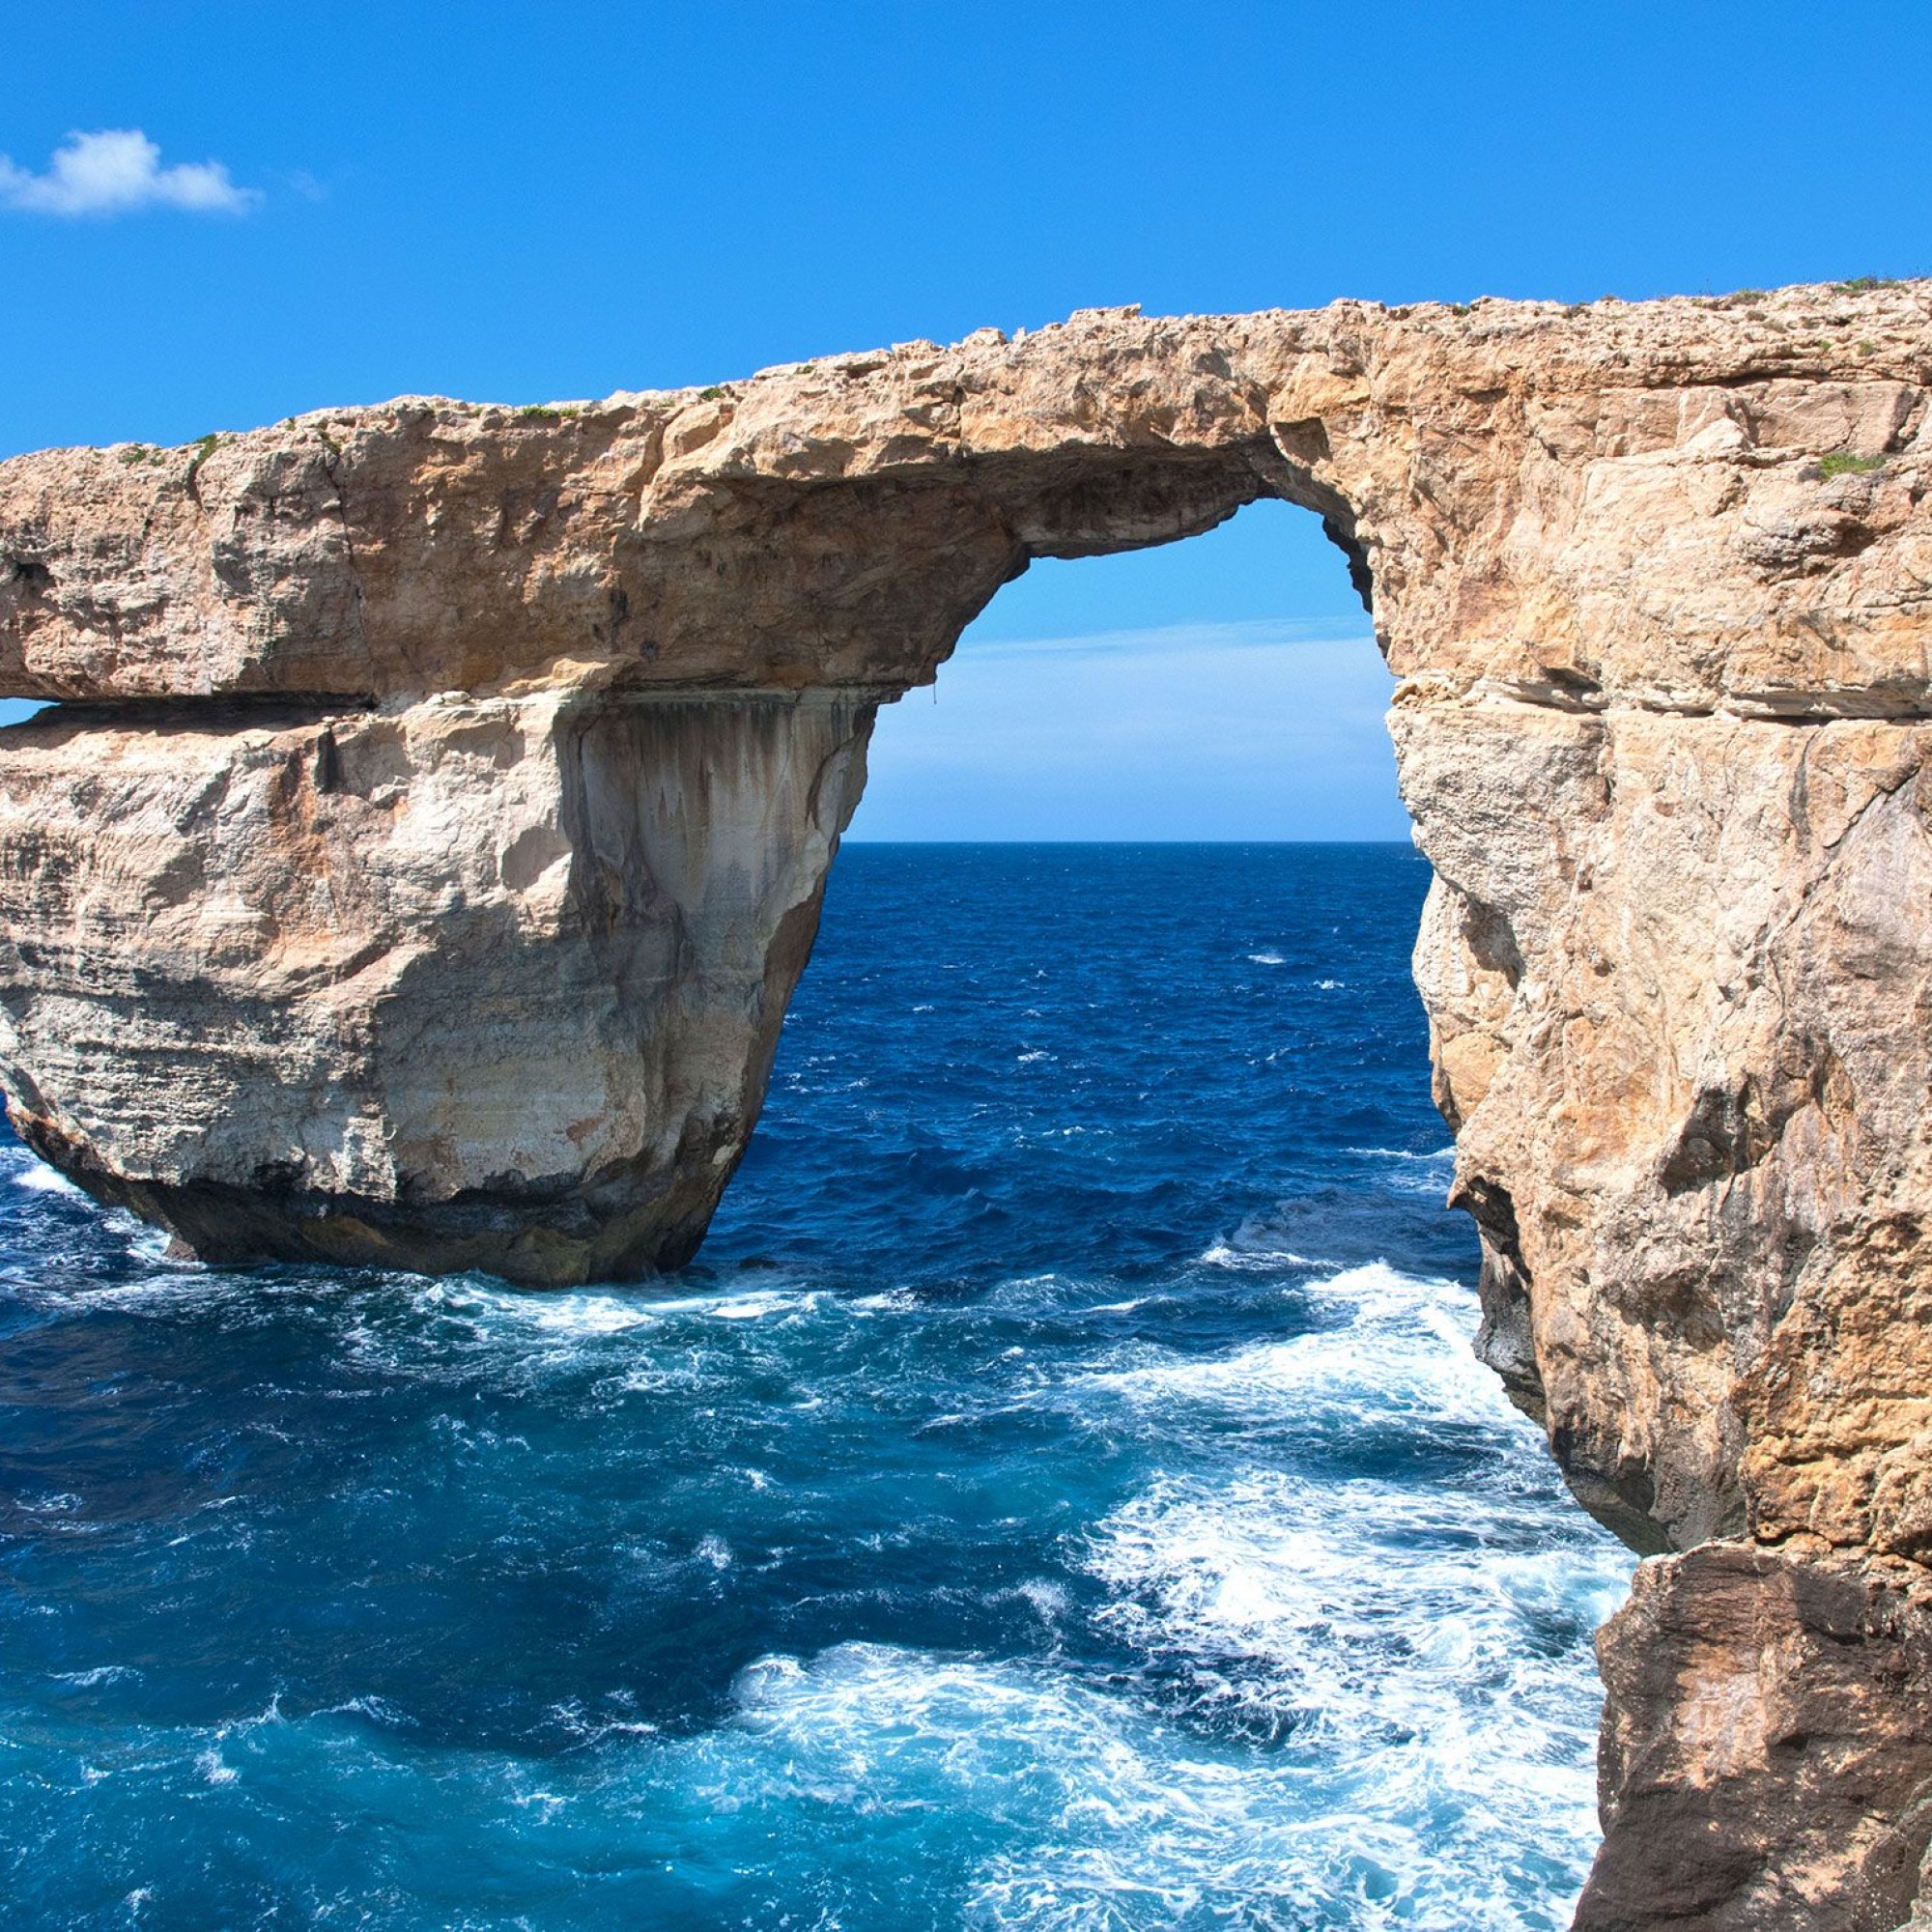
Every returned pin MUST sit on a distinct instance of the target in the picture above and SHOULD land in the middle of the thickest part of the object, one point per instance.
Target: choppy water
(1063, 1497)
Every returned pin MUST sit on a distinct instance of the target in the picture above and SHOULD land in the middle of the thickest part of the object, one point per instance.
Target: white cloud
(1238, 732)
(114, 172)
(1168, 640)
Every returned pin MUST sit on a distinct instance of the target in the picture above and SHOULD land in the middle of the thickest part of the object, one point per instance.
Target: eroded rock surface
(1765, 1757)
(480, 982)
(435, 824)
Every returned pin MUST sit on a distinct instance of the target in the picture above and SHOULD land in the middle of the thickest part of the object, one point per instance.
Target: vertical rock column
(466, 982)
(1679, 969)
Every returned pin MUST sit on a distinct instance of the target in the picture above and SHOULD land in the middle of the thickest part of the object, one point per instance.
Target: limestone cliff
(433, 825)
(475, 982)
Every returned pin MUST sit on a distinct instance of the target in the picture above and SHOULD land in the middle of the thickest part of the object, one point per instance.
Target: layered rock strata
(433, 824)
(471, 982)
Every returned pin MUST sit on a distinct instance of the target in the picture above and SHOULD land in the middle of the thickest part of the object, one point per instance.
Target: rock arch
(433, 825)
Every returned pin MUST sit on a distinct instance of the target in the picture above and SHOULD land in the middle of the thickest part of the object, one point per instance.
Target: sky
(216, 216)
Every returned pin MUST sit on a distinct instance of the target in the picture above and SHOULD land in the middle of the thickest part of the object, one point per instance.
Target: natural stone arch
(434, 828)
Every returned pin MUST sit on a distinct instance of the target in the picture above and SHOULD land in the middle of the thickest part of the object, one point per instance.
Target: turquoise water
(1061, 1497)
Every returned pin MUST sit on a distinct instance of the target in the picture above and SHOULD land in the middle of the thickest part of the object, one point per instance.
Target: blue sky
(526, 203)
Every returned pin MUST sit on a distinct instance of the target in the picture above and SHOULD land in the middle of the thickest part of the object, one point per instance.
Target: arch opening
(1133, 1104)
(1224, 686)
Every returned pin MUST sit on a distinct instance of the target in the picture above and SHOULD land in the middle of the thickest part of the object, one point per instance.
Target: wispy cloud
(1170, 639)
(1180, 731)
(116, 172)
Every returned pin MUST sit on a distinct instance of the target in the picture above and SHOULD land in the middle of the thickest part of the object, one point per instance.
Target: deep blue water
(1061, 1497)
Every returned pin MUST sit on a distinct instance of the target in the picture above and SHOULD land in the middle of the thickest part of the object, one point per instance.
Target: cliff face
(436, 824)
(475, 982)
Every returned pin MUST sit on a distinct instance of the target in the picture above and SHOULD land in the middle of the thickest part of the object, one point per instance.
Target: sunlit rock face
(473, 983)
(436, 823)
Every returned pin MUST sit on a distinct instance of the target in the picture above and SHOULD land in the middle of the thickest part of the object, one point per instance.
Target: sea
(1061, 1495)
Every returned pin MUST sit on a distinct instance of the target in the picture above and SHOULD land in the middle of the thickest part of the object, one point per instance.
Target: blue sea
(1061, 1496)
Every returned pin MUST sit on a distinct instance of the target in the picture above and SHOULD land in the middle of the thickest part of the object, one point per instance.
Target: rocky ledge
(434, 819)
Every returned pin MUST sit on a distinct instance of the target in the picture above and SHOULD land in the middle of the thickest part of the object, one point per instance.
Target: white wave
(594, 1728)
(177, 1287)
(589, 1314)
(1049, 1599)
(1085, 1812)
(1427, 1175)
(636, 1341)
(1396, 1638)
(36, 1177)
(1395, 1347)
(1377, 1296)
(889, 1301)
(1369, 1599)
(575, 1316)
(1266, 959)
(61, 1502)
(1250, 1259)
(1045, 1799)
(755, 1307)
(377, 1709)
(656, 1378)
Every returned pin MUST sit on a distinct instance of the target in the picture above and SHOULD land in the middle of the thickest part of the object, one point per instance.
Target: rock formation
(432, 826)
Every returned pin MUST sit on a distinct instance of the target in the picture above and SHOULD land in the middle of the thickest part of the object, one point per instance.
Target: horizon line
(1405, 844)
